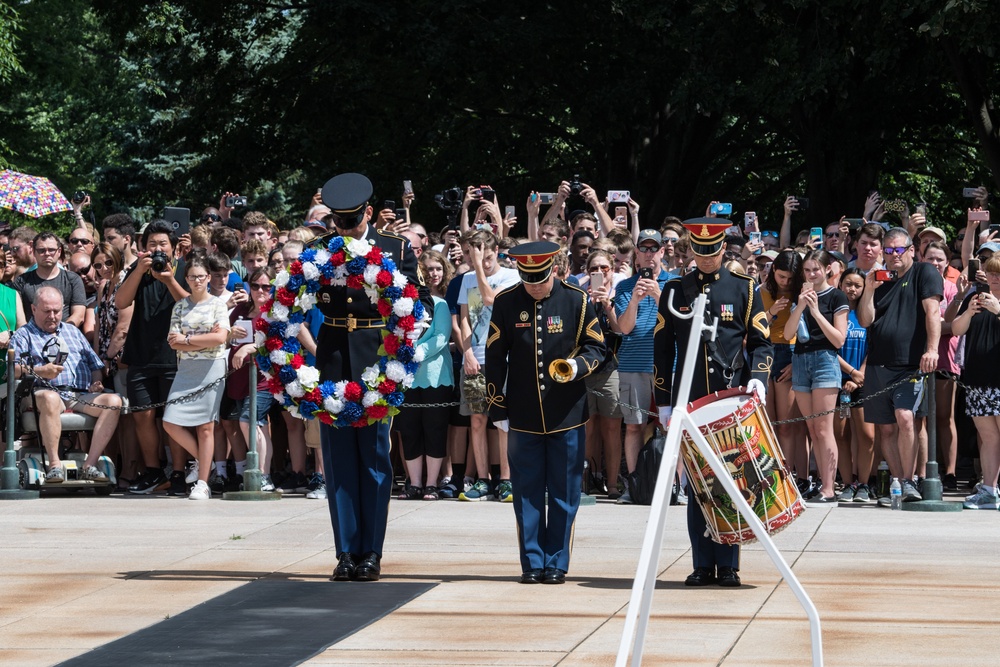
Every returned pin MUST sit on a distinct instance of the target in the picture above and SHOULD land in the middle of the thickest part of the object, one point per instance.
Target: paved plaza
(891, 587)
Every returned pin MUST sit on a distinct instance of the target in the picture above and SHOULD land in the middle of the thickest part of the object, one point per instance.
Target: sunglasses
(648, 249)
(80, 241)
(895, 251)
(501, 255)
(260, 286)
(670, 240)
(602, 269)
(769, 233)
(99, 266)
(210, 217)
(833, 235)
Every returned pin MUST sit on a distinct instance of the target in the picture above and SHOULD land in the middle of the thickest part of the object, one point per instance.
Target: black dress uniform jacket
(525, 337)
(343, 352)
(732, 299)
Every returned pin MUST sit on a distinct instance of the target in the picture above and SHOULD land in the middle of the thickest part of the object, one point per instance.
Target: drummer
(740, 356)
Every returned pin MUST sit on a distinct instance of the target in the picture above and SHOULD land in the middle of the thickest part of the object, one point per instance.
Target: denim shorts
(818, 369)
(264, 402)
(782, 358)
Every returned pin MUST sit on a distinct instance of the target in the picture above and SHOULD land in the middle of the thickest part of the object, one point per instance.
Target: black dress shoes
(345, 568)
(702, 576)
(368, 568)
(553, 576)
(728, 577)
(532, 576)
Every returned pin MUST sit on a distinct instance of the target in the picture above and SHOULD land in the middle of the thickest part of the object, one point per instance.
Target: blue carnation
(307, 408)
(291, 345)
(294, 283)
(276, 328)
(411, 367)
(391, 323)
(383, 363)
(395, 399)
(308, 255)
(392, 293)
(296, 317)
(352, 412)
(264, 363)
(328, 270)
(287, 374)
(357, 265)
(418, 310)
(288, 401)
(313, 286)
(388, 264)
(404, 353)
(327, 388)
(335, 244)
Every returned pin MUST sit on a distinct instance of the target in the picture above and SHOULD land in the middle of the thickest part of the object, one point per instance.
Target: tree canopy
(171, 102)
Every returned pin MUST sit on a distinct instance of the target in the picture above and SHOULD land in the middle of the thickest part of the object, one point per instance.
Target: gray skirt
(193, 374)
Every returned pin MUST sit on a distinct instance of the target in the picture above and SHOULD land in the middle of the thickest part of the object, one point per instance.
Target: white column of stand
(637, 617)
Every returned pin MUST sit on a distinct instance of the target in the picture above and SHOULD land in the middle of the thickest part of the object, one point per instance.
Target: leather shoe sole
(552, 576)
(700, 577)
(728, 578)
(532, 577)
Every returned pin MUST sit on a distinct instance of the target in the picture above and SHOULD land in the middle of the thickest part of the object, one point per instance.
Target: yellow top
(778, 324)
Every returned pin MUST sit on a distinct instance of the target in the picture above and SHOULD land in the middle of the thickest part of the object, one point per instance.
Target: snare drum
(738, 429)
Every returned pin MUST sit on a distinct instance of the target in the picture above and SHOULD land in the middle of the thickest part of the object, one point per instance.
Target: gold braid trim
(660, 323)
(494, 334)
(493, 397)
(761, 324)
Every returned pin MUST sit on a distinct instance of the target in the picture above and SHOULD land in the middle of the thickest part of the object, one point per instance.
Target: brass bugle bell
(560, 370)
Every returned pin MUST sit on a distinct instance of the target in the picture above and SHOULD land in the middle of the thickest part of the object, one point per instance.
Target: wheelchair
(31, 456)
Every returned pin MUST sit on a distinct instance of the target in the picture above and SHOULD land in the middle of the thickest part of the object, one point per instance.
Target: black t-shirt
(898, 336)
(982, 348)
(68, 283)
(830, 302)
(146, 344)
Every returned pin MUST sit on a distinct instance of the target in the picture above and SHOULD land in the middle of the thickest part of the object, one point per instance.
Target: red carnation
(268, 305)
(374, 255)
(386, 387)
(352, 392)
(356, 282)
(325, 417)
(338, 258)
(297, 362)
(361, 423)
(377, 412)
(274, 385)
(285, 297)
(383, 279)
(313, 397)
(391, 344)
(406, 323)
(384, 308)
(410, 292)
(273, 344)
(260, 324)
(295, 268)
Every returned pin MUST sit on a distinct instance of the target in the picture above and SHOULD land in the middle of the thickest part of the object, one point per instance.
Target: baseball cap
(936, 231)
(650, 235)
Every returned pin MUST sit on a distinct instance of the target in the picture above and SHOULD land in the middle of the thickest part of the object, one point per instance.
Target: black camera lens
(159, 261)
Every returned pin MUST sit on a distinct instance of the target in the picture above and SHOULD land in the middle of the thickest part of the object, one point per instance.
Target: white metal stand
(637, 617)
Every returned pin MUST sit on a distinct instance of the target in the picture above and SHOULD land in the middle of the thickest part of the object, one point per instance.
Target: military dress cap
(650, 235)
(534, 260)
(348, 195)
(707, 234)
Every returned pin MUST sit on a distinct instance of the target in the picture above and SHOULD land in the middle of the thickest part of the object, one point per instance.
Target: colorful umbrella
(31, 195)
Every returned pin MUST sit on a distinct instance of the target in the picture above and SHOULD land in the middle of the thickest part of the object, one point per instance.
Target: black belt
(351, 323)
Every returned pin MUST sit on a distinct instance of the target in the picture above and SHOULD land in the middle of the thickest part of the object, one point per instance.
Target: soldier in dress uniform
(741, 355)
(356, 460)
(535, 323)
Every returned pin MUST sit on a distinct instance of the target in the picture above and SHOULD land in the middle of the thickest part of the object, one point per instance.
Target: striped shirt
(636, 352)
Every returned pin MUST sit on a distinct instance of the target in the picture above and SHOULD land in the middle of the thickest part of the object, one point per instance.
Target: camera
(160, 261)
(233, 202)
(450, 199)
(79, 196)
(575, 187)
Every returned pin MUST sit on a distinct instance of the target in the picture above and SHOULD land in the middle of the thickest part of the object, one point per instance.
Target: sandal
(431, 493)
(410, 493)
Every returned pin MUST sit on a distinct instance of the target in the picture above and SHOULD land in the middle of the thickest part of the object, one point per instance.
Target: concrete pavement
(891, 587)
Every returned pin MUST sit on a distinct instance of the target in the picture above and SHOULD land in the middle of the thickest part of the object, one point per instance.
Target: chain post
(10, 487)
(252, 475)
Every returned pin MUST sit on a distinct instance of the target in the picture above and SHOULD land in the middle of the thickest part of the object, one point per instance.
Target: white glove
(572, 364)
(503, 425)
(665, 412)
(757, 386)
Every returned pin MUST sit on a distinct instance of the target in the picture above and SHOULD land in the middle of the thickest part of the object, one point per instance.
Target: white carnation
(308, 376)
(294, 389)
(306, 301)
(408, 380)
(418, 354)
(402, 306)
(259, 338)
(267, 375)
(370, 398)
(279, 398)
(395, 371)
(322, 256)
(333, 405)
(281, 279)
(371, 272)
(293, 410)
(279, 357)
(279, 312)
(372, 294)
(309, 271)
(292, 330)
(358, 247)
(370, 375)
(399, 280)
(338, 389)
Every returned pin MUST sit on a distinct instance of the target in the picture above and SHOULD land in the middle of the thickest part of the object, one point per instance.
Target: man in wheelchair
(62, 358)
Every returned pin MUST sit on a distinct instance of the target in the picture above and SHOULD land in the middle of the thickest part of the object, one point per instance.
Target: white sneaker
(319, 493)
(267, 485)
(200, 491)
(192, 472)
(986, 499)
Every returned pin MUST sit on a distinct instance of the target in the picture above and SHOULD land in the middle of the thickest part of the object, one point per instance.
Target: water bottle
(845, 405)
(802, 333)
(882, 480)
(896, 494)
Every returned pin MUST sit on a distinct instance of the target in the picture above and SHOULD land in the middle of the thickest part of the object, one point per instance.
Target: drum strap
(726, 367)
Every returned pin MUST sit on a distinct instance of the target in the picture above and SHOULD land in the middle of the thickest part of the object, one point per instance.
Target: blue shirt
(436, 369)
(636, 352)
(80, 363)
(856, 344)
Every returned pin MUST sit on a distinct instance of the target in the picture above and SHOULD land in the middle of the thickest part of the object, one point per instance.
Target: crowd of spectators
(858, 306)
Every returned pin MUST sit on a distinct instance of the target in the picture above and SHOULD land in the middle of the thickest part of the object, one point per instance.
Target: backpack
(642, 482)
